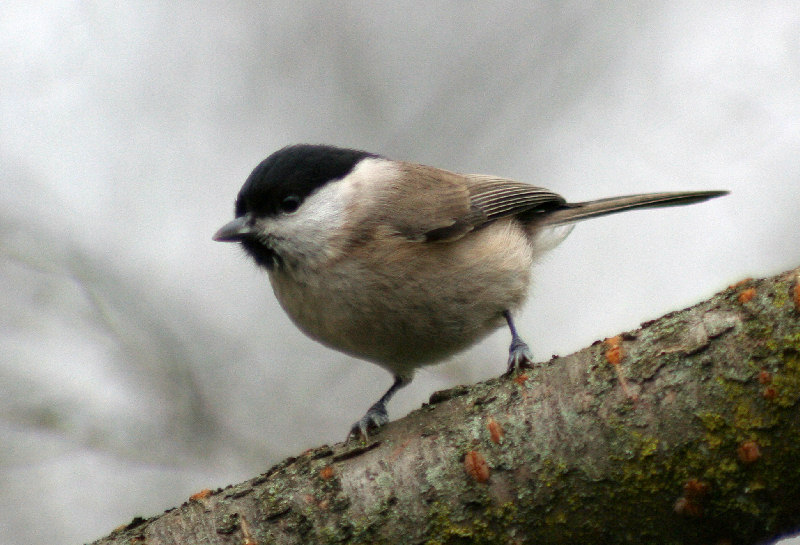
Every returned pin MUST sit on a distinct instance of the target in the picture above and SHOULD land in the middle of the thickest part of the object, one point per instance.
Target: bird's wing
(500, 197)
(435, 205)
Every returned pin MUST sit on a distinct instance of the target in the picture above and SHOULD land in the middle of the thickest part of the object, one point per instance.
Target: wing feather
(430, 205)
(500, 197)
(438, 205)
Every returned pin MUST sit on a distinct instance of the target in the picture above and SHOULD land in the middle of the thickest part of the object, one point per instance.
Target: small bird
(399, 263)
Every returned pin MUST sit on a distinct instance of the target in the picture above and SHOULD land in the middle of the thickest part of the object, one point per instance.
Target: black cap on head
(291, 174)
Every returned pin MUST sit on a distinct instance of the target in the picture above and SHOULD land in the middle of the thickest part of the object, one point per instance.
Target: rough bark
(683, 431)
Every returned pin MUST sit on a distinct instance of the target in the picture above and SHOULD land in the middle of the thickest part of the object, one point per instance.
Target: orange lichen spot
(309, 499)
(690, 504)
(326, 473)
(764, 377)
(495, 430)
(203, 494)
(520, 379)
(747, 295)
(748, 452)
(769, 393)
(740, 283)
(689, 508)
(476, 466)
(614, 354)
(695, 488)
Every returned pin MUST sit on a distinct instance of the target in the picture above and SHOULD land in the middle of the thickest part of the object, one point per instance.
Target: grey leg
(519, 354)
(377, 416)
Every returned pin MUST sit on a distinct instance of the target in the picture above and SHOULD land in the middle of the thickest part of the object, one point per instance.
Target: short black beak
(235, 230)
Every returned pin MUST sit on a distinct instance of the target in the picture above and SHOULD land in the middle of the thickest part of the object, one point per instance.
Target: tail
(572, 212)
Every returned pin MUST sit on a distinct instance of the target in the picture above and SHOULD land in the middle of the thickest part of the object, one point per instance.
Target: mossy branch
(684, 431)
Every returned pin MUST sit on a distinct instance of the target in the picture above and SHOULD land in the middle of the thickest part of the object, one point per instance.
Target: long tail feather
(579, 211)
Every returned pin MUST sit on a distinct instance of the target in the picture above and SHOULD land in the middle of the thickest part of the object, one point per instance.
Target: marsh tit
(398, 263)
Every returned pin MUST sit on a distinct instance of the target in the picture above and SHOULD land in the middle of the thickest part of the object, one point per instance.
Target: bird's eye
(290, 204)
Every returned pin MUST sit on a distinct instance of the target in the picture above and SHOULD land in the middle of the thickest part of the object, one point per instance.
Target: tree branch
(683, 431)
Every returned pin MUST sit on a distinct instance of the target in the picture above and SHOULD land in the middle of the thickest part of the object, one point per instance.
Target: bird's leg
(376, 415)
(519, 354)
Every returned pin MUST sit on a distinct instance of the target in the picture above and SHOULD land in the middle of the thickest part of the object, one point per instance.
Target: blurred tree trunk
(684, 431)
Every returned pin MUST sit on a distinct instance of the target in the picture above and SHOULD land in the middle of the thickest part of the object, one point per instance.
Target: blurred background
(141, 362)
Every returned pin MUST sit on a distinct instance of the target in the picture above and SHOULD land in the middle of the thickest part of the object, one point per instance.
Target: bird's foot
(375, 418)
(519, 356)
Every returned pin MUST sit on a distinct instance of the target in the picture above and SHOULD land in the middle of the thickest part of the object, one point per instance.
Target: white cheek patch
(310, 233)
(305, 235)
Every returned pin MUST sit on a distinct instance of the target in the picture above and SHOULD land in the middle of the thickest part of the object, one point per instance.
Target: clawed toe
(376, 415)
(375, 418)
(519, 356)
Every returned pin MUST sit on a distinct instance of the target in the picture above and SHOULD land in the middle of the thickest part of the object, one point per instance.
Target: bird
(403, 264)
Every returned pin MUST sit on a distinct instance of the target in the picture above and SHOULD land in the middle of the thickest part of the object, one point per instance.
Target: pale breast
(406, 304)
